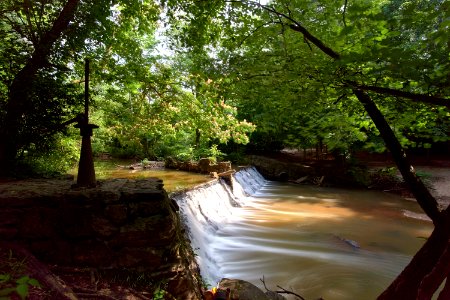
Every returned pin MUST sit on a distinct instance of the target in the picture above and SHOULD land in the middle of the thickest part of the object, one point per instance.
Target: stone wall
(121, 224)
(274, 169)
(204, 165)
(330, 173)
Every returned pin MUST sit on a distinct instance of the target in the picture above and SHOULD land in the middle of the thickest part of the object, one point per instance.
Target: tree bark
(427, 270)
(19, 89)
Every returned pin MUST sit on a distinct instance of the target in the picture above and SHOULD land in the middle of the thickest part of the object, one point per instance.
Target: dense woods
(219, 78)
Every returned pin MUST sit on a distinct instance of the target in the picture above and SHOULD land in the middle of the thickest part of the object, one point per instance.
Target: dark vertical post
(86, 89)
(86, 171)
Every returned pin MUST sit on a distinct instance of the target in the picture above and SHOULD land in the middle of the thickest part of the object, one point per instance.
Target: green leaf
(23, 280)
(34, 282)
(22, 290)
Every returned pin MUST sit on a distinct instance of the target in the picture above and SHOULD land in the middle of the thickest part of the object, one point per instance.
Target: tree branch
(345, 11)
(283, 290)
(298, 27)
(393, 92)
(47, 41)
(28, 7)
(325, 49)
(253, 32)
(423, 196)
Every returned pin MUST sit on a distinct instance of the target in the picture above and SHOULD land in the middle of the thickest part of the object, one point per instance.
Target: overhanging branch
(253, 32)
(408, 95)
(308, 36)
(327, 50)
(297, 27)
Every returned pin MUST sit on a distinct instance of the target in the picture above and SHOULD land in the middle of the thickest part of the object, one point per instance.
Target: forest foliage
(208, 78)
(213, 78)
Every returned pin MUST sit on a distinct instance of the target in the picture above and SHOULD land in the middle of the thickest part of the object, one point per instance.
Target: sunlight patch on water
(173, 180)
(263, 210)
(330, 243)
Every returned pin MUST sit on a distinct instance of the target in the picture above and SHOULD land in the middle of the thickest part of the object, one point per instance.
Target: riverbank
(434, 171)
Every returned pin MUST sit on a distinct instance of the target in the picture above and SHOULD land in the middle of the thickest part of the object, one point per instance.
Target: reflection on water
(173, 180)
(321, 242)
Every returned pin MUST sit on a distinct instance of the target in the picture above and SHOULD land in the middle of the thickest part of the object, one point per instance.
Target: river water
(316, 241)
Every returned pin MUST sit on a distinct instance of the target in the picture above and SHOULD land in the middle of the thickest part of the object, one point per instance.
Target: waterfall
(206, 208)
(249, 180)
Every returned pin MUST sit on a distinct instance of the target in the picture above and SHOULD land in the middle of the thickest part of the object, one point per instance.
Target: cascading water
(321, 242)
(249, 180)
(205, 209)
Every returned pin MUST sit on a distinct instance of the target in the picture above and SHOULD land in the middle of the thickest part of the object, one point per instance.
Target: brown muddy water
(173, 180)
(319, 242)
(333, 243)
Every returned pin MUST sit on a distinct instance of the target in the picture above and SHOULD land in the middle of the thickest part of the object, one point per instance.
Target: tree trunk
(419, 190)
(19, 89)
(428, 268)
(198, 135)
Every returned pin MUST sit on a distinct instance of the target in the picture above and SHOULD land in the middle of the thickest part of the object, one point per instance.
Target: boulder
(242, 290)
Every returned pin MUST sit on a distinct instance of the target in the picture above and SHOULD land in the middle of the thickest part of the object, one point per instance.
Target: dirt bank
(438, 179)
(434, 170)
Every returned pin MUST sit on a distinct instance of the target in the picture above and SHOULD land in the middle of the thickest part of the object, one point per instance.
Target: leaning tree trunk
(419, 190)
(427, 270)
(417, 187)
(19, 89)
(429, 267)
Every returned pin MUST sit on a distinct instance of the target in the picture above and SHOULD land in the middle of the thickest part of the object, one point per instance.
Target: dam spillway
(321, 242)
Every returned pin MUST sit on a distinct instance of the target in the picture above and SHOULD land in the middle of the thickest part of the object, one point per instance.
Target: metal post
(86, 171)
(86, 89)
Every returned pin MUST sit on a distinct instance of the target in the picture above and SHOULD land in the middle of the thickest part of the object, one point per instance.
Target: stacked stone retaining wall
(121, 224)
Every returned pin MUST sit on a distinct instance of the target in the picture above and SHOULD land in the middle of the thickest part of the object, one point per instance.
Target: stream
(316, 241)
